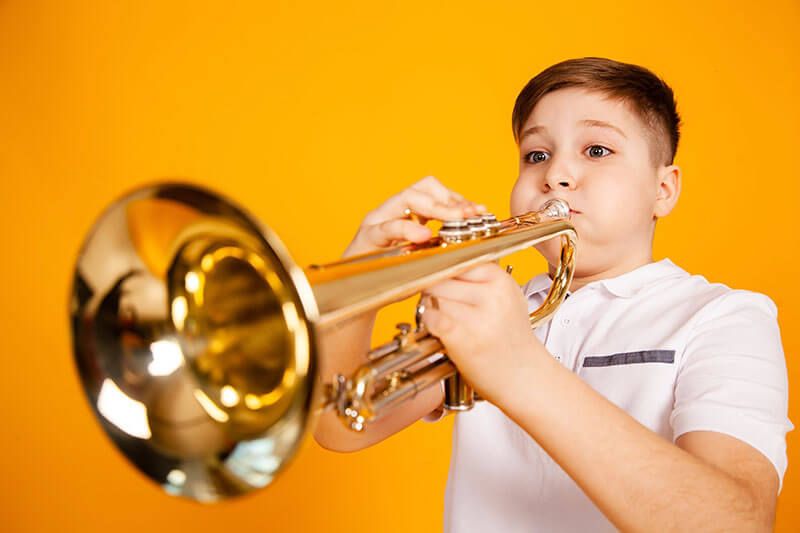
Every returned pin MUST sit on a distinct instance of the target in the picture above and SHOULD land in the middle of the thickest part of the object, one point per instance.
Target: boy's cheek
(523, 195)
(515, 205)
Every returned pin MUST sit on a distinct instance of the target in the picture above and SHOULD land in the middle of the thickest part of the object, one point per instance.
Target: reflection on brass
(197, 336)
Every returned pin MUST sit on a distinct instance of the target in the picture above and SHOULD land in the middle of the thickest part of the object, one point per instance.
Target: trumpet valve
(492, 224)
(477, 227)
(455, 231)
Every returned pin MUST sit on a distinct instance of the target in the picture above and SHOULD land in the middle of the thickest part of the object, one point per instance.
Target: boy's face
(593, 152)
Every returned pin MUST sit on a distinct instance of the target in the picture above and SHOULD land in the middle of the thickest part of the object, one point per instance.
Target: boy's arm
(639, 480)
(345, 349)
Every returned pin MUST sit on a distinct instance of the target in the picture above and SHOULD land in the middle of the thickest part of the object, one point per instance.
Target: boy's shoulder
(663, 284)
(710, 299)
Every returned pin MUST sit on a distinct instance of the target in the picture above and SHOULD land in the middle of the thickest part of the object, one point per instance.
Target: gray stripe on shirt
(627, 358)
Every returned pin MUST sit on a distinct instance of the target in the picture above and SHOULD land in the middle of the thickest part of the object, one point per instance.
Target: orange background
(311, 116)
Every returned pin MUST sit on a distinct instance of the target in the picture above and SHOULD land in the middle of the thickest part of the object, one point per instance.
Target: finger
(446, 196)
(398, 229)
(434, 187)
(437, 323)
(416, 217)
(465, 292)
(444, 320)
(424, 204)
(483, 273)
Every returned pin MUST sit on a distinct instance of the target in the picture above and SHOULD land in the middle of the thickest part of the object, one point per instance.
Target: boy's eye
(537, 156)
(597, 151)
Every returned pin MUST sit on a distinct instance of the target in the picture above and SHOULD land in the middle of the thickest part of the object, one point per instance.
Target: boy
(653, 400)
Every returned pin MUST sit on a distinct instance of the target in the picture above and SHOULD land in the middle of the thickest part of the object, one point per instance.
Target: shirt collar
(624, 286)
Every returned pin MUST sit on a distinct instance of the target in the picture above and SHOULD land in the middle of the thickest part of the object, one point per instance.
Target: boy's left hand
(482, 320)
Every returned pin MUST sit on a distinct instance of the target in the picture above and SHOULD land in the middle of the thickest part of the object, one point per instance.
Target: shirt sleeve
(733, 379)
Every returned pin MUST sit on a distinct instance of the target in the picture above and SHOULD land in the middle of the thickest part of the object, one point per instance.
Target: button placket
(565, 338)
(555, 344)
(554, 341)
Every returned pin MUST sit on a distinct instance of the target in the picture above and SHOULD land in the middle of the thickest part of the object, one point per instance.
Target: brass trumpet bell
(196, 335)
(191, 331)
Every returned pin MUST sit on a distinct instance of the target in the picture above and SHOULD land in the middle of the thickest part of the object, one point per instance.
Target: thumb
(436, 322)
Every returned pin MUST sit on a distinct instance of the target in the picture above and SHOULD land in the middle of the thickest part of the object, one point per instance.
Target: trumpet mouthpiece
(556, 208)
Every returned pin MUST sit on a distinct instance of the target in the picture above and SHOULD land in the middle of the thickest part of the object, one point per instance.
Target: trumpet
(197, 337)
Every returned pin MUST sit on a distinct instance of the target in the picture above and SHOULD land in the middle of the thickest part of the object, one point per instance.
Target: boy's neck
(618, 269)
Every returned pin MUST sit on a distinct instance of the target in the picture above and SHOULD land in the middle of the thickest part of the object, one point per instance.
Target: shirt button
(565, 322)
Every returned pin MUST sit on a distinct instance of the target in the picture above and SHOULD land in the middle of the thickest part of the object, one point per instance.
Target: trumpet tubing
(196, 335)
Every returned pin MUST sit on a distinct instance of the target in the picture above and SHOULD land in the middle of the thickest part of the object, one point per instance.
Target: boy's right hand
(388, 224)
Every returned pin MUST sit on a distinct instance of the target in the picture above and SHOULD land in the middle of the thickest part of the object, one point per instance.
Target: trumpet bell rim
(155, 364)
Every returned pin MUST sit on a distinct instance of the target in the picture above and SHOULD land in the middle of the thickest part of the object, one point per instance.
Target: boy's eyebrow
(531, 131)
(602, 124)
(592, 123)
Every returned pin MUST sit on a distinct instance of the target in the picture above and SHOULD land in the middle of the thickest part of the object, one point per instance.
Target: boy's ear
(669, 189)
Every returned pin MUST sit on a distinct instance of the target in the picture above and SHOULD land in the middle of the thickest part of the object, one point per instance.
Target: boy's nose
(554, 181)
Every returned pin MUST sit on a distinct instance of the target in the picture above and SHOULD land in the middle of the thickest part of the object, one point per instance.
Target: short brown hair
(648, 95)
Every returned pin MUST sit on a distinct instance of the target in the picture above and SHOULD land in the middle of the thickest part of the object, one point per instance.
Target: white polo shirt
(674, 351)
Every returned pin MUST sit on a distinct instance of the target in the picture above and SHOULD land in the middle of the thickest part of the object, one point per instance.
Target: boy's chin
(551, 251)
